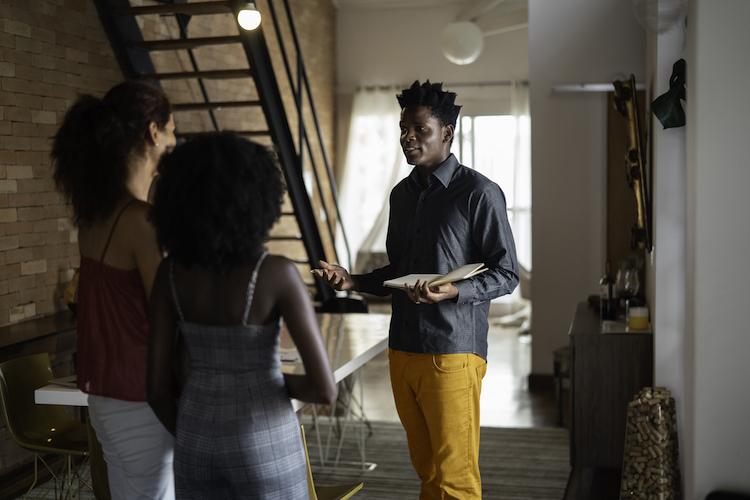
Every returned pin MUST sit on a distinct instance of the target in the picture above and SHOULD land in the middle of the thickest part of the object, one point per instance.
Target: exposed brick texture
(53, 50)
(50, 52)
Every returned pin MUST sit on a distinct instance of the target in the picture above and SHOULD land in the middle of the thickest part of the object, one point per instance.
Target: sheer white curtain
(521, 211)
(374, 164)
(522, 178)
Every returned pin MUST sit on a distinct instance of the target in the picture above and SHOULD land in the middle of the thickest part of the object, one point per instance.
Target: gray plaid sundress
(237, 434)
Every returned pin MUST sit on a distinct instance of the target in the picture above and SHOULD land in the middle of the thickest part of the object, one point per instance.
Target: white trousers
(138, 449)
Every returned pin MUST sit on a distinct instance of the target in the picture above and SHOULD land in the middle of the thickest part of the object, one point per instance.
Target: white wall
(571, 42)
(718, 179)
(666, 269)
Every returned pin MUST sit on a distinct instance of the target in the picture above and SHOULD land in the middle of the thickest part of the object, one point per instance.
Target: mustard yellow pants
(437, 399)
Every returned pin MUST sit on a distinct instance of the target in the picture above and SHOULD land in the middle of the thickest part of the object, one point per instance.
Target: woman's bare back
(132, 244)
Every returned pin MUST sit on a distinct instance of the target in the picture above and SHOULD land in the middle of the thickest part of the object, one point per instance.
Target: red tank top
(112, 329)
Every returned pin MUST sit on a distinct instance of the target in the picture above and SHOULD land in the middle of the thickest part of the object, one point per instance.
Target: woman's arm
(317, 385)
(161, 350)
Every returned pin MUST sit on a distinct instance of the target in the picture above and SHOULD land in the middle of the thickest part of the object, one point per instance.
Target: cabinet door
(608, 370)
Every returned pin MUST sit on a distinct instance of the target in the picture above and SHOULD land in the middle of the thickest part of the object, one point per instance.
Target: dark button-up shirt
(459, 219)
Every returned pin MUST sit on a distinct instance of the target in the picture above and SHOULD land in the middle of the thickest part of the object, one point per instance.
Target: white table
(352, 340)
(55, 394)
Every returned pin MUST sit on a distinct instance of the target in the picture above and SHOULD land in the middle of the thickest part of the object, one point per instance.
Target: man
(443, 215)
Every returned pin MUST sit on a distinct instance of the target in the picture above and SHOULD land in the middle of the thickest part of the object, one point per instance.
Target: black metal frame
(278, 126)
(121, 30)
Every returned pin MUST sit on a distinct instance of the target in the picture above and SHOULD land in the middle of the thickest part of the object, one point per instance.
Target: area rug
(516, 464)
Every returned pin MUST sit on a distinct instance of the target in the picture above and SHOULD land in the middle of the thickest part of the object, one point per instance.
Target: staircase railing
(134, 56)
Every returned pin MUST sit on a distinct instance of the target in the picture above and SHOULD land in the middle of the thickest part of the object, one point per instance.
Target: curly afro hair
(432, 96)
(216, 198)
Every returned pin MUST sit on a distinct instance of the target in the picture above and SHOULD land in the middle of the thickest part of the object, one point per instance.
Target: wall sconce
(249, 17)
(462, 42)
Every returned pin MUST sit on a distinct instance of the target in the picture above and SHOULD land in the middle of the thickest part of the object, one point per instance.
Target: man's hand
(335, 276)
(420, 293)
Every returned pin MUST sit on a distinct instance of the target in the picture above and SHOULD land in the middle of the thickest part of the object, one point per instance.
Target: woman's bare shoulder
(135, 228)
(278, 264)
(281, 271)
(136, 216)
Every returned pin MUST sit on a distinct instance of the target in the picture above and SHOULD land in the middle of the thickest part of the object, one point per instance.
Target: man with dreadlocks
(443, 216)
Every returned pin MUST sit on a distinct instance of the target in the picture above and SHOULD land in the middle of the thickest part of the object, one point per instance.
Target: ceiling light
(462, 42)
(249, 17)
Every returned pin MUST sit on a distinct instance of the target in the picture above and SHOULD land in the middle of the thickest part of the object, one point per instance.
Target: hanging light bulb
(249, 17)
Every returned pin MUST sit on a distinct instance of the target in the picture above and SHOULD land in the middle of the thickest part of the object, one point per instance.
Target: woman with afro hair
(237, 435)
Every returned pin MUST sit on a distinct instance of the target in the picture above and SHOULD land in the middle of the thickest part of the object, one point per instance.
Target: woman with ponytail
(104, 158)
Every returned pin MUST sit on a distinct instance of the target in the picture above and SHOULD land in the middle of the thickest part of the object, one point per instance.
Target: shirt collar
(444, 173)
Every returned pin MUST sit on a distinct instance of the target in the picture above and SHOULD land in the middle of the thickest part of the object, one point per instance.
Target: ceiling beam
(494, 24)
(477, 9)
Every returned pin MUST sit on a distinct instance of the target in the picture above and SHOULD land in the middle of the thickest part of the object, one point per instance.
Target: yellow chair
(40, 428)
(340, 492)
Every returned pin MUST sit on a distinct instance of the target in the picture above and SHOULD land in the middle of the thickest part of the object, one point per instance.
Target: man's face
(424, 141)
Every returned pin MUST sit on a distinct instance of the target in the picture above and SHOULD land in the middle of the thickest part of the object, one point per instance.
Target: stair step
(206, 75)
(286, 238)
(203, 106)
(195, 9)
(244, 133)
(186, 43)
(253, 133)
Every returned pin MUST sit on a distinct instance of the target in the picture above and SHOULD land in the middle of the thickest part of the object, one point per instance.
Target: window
(500, 148)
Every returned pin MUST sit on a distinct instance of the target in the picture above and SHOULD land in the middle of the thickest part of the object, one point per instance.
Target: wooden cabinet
(607, 369)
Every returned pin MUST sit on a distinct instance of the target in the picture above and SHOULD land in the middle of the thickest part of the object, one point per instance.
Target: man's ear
(448, 133)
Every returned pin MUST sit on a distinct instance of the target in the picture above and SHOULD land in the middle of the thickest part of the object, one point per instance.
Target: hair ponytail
(97, 139)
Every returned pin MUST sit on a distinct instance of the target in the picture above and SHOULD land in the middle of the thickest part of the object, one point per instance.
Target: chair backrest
(310, 483)
(338, 492)
(19, 378)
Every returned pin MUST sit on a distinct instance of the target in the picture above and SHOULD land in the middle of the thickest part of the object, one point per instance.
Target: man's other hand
(335, 276)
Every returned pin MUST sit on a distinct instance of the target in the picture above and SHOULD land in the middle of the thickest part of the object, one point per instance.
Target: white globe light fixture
(462, 42)
(249, 17)
(659, 16)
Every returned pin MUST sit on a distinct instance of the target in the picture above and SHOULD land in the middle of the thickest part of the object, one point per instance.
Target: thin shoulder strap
(251, 287)
(112, 231)
(174, 291)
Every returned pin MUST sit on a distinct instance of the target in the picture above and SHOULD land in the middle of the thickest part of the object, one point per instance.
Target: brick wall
(50, 52)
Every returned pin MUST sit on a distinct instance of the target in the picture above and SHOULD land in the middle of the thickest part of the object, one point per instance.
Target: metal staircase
(236, 88)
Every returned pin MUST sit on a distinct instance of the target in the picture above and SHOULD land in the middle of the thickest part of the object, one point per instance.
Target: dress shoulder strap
(251, 287)
(112, 231)
(174, 291)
